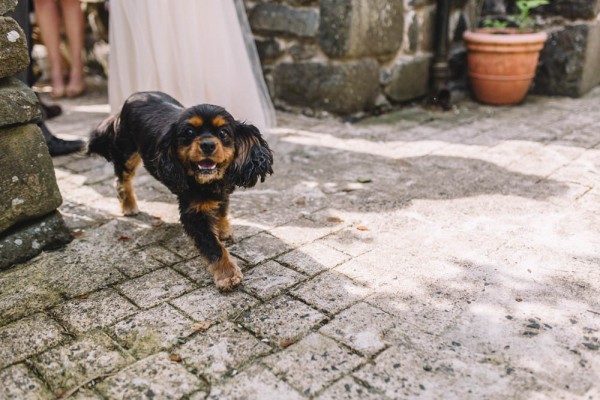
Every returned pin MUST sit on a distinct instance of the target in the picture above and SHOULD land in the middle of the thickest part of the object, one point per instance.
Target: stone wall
(29, 195)
(344, 56)
(570, 60)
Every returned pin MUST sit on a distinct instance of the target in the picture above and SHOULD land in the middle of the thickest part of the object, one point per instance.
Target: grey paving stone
(254, 383)
(19, 382)
(269, 279)
(313, 258)
(282, 319)
(208, 304)
(78, 276)
(181, 244)
(221, 350)
(23, 293)
(163, 255)
(139, 262)
(350, 241)
(196, 270)
(27, 337)
(322, 361)
(361, 327)
(155, 287)
(258, 248)
(153, 377)
(331, 291)
(348, 389)
(87, 358)
(303, 231)
(393, 365)
(96, 310)
(150, 331)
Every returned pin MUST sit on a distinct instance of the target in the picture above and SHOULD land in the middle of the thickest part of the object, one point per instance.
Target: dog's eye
(223, 133)
(189, 132)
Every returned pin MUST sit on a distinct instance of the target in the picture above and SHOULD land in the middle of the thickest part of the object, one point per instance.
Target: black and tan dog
(200, 153)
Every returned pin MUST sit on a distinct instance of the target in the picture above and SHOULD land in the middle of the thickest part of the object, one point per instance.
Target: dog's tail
(102, 138)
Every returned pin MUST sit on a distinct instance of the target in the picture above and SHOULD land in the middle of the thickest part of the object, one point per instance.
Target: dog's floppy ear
(169, 169)
(253, 157)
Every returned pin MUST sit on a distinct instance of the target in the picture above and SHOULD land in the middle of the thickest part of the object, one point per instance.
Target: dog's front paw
(130, 211)
(227, 279)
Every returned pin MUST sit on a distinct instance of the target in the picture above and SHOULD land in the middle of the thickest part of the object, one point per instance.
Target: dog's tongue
(207, 164)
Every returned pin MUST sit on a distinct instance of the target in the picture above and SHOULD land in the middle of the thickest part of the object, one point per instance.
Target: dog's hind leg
(125, 171)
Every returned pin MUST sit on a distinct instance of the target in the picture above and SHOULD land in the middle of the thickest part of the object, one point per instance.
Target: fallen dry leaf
(124, 238)
(334, 219)
(77, 232)
(175, 357)
(201, 326)
(362, 228)
(301, 202)
(283, 343)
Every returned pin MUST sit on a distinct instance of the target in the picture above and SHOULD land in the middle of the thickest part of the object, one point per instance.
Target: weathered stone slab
(21, 294)
(27, 337)
(14, 56)
(322, 361)
(570, 61)
(313, 258)
(155, 287)
(96, 310)
(18, 103)
(348, 389)
(28, 182)
(218, 352)
(7, 6)
(269, 279)
(68, 366)
(279, 18)
(359, 28)
(208, 304)
(361, 327)
(258, 248)
(331, 291)
(153, 377)
(282, 319)
(337, 88)
(28, 239)
(19, 382)
(255, 383)
(409, 79)
(152, 330)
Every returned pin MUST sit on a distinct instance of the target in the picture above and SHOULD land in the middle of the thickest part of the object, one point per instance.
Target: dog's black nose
(208, 147)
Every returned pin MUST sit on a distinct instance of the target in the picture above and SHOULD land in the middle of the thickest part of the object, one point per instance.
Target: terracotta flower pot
(502, 63)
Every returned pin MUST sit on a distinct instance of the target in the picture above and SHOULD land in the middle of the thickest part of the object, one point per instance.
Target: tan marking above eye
(196, 121)
(218, 121)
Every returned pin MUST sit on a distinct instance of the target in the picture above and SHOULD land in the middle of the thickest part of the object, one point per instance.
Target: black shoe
(60, 147)
(50, 110)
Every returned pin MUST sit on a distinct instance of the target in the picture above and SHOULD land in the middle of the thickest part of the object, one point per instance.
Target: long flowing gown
(198, 51)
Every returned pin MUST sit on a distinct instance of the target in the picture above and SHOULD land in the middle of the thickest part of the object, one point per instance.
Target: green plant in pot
(503, 55)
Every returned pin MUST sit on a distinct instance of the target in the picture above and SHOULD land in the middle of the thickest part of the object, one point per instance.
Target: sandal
(57, 93)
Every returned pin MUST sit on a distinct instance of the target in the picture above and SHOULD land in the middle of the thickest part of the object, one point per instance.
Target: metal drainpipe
(440, 95)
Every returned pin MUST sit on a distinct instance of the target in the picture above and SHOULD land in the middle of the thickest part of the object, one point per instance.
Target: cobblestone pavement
(418, 254)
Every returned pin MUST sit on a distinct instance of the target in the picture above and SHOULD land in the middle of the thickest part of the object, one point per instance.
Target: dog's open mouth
(205, 167)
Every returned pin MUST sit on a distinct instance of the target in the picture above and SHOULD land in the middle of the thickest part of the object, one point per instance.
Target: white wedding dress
(198, 51)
